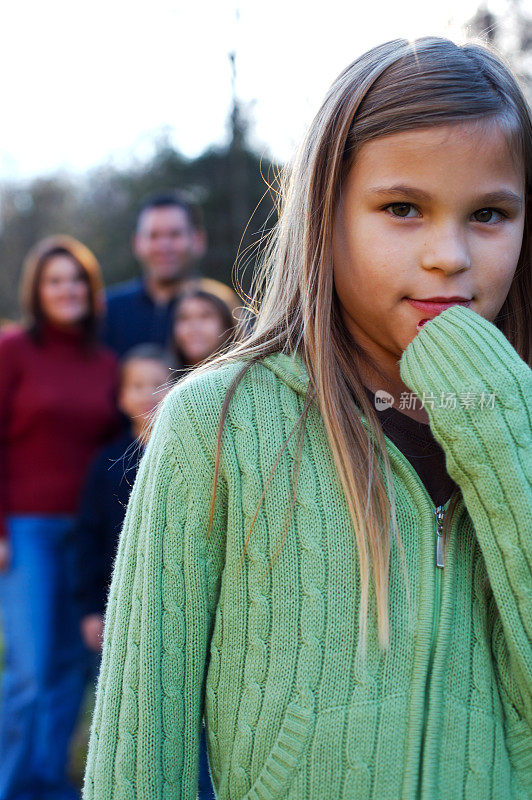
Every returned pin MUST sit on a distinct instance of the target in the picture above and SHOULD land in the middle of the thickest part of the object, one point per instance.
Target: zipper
(440, 516)
(443, 521)
(443, 516)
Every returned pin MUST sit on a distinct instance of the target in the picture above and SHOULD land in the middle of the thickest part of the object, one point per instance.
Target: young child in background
(350, 628)
(144, 376)
(144, 380)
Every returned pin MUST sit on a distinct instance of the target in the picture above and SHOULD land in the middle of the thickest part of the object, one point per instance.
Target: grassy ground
(80, 740)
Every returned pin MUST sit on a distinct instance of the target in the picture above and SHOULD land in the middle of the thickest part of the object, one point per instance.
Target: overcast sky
(88, 83)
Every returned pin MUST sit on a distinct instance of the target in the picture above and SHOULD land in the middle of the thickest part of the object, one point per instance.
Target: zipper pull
(440, 514)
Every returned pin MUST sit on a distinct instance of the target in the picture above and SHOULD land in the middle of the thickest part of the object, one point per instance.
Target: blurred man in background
(168, 242)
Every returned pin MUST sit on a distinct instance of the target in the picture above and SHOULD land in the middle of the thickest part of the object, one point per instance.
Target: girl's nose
(446, 249)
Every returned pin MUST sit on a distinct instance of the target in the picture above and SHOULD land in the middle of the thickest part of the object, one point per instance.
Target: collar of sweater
(290, 369)
(457, 329)
(71, 335)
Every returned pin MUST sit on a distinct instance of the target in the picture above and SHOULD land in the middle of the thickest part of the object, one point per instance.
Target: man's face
(166, 244)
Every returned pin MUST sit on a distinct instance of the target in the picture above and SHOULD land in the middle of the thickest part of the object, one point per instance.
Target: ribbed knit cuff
(461, 364)
(486, 433)
(520, 751)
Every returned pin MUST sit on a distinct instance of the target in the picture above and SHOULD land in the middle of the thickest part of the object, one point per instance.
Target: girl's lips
(433, 308)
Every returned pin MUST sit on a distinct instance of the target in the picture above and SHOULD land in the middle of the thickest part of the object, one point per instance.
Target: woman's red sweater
(57, 407)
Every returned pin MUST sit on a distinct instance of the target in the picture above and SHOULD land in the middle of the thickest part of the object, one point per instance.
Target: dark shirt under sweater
(417, 443)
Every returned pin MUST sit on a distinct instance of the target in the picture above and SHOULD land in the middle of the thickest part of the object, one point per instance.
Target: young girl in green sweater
(328, 548)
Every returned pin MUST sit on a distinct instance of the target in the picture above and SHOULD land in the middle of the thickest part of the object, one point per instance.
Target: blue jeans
(45, 662)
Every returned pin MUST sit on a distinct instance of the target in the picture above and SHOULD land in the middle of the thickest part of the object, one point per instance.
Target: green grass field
(80, 740)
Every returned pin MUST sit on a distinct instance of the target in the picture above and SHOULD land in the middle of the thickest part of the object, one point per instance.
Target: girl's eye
(488, 215)
(403, 210)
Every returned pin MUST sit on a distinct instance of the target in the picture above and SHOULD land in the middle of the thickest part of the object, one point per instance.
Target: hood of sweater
(290, 369)
(457, 332)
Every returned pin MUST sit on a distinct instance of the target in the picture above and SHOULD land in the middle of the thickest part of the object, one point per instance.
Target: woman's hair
(398, 86)
(224, 312)
(32, 270)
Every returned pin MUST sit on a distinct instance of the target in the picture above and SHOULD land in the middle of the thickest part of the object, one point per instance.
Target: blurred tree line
(511, 34)
(229, 182)
(233, 184)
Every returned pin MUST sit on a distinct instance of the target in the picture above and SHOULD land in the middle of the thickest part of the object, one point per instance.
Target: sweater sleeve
(9, 375)
(146, 727)
(487, 440)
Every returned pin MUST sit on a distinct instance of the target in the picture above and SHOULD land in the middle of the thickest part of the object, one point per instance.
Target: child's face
(198, 329)
(140, 390)
(429, 213)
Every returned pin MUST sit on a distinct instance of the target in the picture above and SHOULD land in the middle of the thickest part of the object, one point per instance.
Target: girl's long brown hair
(395, 87)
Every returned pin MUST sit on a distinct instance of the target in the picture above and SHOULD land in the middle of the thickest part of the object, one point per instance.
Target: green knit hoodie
(269, 654)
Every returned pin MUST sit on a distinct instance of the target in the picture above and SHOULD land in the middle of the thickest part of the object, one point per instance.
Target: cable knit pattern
(489, 454)
(267, 651)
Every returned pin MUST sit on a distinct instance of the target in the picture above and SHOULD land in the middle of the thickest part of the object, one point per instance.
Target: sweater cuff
(486, 433)
(463, 365)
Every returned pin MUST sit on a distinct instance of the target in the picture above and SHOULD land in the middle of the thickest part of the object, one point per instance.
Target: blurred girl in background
(203, 324)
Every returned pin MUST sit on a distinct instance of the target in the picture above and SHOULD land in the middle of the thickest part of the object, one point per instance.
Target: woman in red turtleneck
(57, 407)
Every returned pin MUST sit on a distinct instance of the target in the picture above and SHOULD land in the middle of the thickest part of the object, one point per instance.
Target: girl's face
(198, 329)
(429, 213)
(63, 291)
